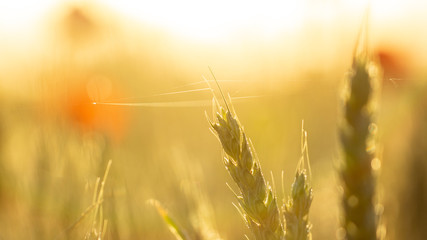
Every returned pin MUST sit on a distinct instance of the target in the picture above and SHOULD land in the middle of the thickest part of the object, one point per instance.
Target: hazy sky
(204, 19)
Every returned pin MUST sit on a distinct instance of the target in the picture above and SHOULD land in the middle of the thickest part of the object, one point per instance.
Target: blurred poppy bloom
(81, 110)
(395, 65)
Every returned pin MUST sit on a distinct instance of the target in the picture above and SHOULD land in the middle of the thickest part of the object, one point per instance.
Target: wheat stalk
(358, 180)
(256, 198)
(297, 208)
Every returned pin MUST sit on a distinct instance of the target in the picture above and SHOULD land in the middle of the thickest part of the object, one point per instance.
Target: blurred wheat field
(56, 145)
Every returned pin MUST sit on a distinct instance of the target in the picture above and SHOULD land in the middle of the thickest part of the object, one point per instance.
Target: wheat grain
(358, 180)
(256, 199)
(297, 208)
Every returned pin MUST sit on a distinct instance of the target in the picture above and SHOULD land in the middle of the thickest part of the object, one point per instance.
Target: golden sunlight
(103, 107)
(211, 20)
(215, 20)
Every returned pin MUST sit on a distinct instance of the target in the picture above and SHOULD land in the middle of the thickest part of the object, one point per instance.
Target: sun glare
(204, 20)
(21, 14)
(215, 20)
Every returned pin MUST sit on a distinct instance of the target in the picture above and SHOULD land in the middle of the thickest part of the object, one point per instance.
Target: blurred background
(281, 61)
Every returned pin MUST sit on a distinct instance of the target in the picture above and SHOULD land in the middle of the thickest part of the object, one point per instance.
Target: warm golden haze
(90, 88)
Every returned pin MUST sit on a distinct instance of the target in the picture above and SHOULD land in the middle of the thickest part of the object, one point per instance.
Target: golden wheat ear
(296, 209)
(358, 179)
(256, 199)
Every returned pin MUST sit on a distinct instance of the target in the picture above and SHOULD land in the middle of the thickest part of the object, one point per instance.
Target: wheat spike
(297, 208)
(256, 197)
(358, 180)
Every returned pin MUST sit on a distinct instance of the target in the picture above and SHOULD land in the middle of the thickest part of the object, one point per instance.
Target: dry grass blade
(170, 222)
(198, 223)
(98, 229)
